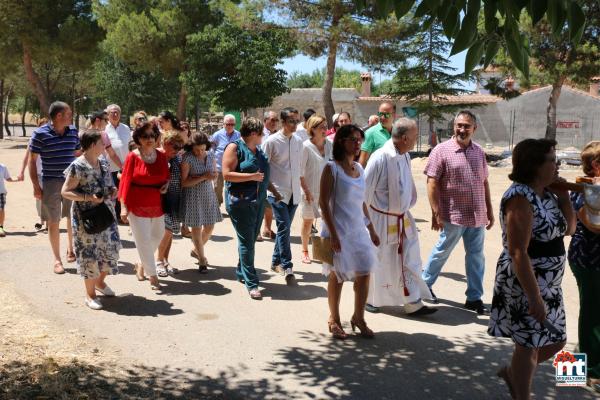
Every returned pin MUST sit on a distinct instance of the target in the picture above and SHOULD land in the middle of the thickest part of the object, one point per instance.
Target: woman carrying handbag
(96, 236)
(353, 239)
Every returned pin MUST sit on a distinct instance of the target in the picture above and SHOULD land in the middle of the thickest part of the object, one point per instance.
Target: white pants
(147, 234)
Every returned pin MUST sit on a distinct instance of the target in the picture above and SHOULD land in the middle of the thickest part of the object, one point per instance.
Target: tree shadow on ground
(302, 291)
(394, 365)
(175, 288)
(398, 365)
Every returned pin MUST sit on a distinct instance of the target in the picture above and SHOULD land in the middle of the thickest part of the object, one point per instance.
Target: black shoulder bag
(99, 218)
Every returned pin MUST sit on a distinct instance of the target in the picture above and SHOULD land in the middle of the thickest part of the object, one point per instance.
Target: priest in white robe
(390, 193)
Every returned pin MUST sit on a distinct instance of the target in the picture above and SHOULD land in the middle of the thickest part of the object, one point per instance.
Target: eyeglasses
(354, 140)
(384, 114)
(148, 136)
(292, 121)
(142, 119)
(229, 124)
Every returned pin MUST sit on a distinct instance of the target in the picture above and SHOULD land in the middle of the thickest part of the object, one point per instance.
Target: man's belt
(401, 236)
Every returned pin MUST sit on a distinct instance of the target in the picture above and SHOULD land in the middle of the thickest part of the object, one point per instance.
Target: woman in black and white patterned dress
(172, 143)
(527, 290)
(200, 206)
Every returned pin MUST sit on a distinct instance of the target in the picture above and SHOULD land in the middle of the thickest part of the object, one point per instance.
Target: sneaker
(434, 298)
(94, 304)
(277, 269)
(371, 309)
(290, 279)
(255, 294)
(107, 291)
(477, 306)
(2, 233)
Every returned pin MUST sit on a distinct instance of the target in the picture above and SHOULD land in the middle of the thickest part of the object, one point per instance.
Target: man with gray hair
(390, 193)
(220, 139)
(119, 135)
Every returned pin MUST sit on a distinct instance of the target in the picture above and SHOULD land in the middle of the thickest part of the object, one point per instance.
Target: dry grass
(40, 360)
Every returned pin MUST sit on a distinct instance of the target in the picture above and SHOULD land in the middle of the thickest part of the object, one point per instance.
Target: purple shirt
(460, 174)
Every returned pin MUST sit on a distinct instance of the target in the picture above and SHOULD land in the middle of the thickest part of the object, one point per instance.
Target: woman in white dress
(353, 239)
(316, 152)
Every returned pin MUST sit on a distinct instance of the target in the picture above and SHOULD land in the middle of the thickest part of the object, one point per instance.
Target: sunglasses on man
(384, 114)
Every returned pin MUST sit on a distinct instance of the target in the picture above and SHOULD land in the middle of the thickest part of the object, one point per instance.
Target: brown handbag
(321, 246)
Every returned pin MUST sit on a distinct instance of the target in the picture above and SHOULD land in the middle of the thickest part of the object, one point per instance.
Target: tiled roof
(567, 87)
(461, 99)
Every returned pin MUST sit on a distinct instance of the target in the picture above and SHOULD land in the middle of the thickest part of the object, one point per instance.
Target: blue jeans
(474, 259)
(284, 215)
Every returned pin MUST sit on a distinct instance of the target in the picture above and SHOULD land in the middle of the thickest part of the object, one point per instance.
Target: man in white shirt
(301, 131)
(270, 122)
(119, 135)
(284, 150)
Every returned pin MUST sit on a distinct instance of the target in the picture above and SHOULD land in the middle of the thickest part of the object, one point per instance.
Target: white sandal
(161, 270)
(170, 270)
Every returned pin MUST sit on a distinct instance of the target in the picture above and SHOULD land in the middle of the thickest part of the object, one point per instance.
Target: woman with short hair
(527, 305)
(246, 174)
(88, 184)
(351, 232)
(172, 143)
(144, 179)
(584, 260)
(316, 152)
(200, 206)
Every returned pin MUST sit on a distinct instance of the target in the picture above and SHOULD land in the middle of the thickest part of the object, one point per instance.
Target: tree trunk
(197, 115)
(551, 109)
(6, 127)
(181, 104)
(34, 80)
(1, 108)
(328, 106)
(332, 47)
(23, 115)
(432, 135)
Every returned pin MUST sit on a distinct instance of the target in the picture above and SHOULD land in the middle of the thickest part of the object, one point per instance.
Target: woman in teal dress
(246, 174)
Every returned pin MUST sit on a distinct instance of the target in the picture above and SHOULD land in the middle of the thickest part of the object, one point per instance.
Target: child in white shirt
(4, 176)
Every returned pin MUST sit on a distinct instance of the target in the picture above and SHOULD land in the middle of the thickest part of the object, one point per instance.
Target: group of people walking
(357, 187)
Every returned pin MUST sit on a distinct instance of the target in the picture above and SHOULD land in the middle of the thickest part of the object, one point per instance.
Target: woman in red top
(145, 177)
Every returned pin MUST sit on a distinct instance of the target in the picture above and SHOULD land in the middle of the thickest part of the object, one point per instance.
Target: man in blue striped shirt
(57, 143)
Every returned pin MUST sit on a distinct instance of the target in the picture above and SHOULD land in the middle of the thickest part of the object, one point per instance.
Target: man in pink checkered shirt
(461, 206)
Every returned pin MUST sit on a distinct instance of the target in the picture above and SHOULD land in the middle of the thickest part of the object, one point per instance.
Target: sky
(306, 64)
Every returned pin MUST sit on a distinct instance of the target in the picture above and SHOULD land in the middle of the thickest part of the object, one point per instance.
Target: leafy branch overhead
(459, 19)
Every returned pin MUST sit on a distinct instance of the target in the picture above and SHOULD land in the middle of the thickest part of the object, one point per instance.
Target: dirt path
(204, 337)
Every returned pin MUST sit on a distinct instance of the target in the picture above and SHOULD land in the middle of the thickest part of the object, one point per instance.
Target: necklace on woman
(150, 158)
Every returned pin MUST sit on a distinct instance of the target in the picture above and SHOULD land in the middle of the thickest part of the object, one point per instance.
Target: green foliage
(116, 82)
(238, 67)
(343, 78)
(501, 23)
(429, 77)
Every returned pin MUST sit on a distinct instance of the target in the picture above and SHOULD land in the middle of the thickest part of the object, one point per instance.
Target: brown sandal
(336, 330)
(58, 268)
(365, 331)
(71, 257)
(139, 272)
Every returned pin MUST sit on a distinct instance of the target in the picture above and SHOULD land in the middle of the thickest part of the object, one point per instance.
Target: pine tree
(428, 78)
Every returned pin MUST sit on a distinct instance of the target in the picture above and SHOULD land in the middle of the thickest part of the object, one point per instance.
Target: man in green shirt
(376, 136)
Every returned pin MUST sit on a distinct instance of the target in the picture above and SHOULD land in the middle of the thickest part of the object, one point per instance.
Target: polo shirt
(375, 138)
(56, 151)
(220, 139)
(119, 139)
